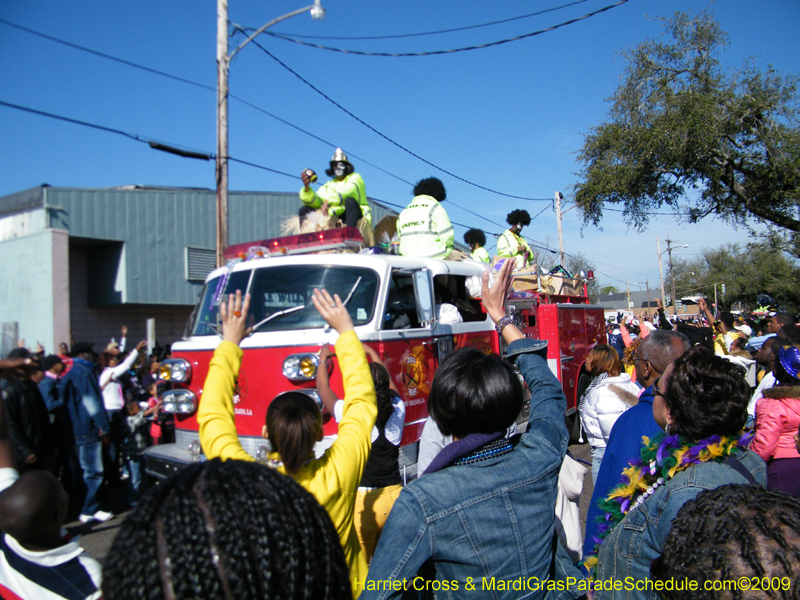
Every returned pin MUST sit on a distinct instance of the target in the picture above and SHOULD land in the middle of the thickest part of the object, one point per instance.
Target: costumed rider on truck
(424, 227)
(511, 244)
(344, 197)
(476, 240)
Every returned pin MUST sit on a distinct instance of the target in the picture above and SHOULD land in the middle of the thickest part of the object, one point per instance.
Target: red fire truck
(393, 301)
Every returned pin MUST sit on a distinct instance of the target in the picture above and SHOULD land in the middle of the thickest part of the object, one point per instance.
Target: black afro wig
(518, 216)
(430, 187)
(475, 237)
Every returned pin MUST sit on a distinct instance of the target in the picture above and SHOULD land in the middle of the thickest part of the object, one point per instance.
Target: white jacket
(604, 404)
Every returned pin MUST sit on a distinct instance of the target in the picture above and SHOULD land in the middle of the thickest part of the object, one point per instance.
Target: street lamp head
(317, 12)
(685, 246)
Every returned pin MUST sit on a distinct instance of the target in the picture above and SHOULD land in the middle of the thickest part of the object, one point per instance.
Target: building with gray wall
(80, 263)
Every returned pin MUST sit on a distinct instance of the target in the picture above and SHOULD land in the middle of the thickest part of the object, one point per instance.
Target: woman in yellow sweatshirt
(333, 478)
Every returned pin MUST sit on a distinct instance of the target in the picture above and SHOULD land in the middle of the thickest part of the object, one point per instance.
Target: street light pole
(661, 274)
(223, 66)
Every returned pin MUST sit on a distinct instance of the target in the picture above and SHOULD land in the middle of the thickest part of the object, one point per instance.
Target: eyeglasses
(656, 391)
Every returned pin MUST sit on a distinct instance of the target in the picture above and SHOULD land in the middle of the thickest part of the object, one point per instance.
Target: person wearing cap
(777, 422)
(344, 196)
(84, 400)
(116, 348)
(511, 244)
(28, 417)
(423, 226)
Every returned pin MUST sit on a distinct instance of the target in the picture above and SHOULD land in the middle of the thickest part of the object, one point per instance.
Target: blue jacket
(624, 446)
(490, 522)
(637, 541)
(81, 393)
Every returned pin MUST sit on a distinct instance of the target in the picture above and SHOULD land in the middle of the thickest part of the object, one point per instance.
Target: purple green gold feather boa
(660, 460)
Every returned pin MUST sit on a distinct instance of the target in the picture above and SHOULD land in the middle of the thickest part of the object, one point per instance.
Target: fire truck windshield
(281, 296)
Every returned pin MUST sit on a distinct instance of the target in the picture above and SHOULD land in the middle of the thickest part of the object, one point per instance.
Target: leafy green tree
(685, 132)
(745, 271)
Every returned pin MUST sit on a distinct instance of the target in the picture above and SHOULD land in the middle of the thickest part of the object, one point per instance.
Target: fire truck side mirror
(423, 293)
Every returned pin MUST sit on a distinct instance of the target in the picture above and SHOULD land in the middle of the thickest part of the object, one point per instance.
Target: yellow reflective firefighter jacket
(508, 244)
(425, 230)
(481, 255)
(335, 192)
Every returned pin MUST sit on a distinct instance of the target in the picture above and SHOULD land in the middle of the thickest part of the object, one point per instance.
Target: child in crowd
(294, 421)
(38, 560)
(381, 483)
(155, 424)
(137, 438)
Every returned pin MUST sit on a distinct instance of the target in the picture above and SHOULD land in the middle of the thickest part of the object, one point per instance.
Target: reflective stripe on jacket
(335, 193)
(481, 255)
(507, 246)
(425, 229)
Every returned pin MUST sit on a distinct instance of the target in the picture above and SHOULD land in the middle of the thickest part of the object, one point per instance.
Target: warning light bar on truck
(331, 239)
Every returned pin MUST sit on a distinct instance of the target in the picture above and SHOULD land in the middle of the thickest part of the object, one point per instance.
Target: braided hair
(380, 377)
(233, 530)
(730, 532)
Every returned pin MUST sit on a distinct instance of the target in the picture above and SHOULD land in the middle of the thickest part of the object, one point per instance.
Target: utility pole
(661, 274)
(671, 272)
(223, 63)
(628, 288)
(558, 199)
(223, 66)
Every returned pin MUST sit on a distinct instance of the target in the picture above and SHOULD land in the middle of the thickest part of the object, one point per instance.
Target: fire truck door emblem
(414, 373)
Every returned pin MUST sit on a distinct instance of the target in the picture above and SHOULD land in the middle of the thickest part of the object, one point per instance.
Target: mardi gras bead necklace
(660, 460)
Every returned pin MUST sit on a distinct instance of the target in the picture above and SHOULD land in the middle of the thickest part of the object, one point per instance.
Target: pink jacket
(777, 420)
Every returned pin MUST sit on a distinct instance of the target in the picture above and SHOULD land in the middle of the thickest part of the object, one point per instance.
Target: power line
(251, 105)
(408, 35)
(453, 50)
(385, 137)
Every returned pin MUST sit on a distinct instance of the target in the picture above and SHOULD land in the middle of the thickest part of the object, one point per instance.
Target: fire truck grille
(251, 444)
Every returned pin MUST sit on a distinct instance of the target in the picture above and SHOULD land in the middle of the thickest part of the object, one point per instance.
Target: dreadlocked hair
(380, 377)
(729, 532)
(227, 530)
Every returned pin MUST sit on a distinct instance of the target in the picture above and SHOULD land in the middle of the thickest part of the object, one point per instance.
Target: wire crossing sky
(509, 117)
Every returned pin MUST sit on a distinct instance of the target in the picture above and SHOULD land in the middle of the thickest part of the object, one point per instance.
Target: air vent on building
(199, 263)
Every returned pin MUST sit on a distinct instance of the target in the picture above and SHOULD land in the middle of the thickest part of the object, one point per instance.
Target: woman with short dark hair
(485, 509)
(701, 403)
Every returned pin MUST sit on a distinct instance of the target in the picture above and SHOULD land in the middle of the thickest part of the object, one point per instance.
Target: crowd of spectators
(695, 435)
(74, 415)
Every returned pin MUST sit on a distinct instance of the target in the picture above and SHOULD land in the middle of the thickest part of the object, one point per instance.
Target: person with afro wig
(476, 240)
(424, 227)
(511, 244)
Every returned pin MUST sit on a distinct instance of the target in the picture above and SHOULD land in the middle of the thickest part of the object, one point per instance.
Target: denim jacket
(487, 523)
(626, 554)
(84, 400)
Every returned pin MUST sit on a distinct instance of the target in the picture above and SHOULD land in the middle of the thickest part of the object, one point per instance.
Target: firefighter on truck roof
(345, 196)
(424, 227)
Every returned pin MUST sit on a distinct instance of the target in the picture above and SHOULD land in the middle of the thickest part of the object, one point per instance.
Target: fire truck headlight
(175, 370)
(301, 367)
(182, 402)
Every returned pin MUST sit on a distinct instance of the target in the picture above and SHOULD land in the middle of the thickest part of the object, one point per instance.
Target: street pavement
(97, 538)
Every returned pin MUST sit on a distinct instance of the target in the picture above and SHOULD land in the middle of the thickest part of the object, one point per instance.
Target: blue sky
(509, 117)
